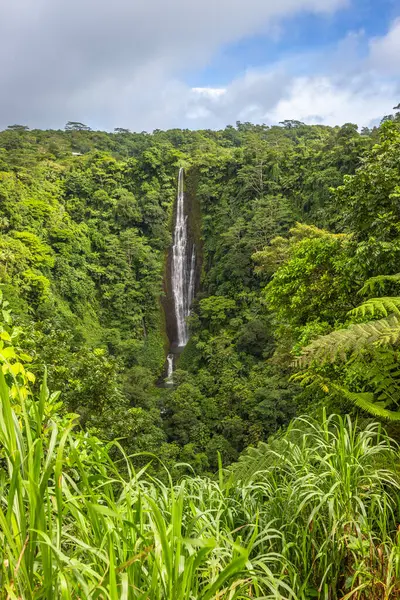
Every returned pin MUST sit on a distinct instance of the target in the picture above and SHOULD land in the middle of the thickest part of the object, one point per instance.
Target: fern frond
(252, 461)
(365, 401)
(381, 306)
(307, 378)
(345, 342)
(378, 282)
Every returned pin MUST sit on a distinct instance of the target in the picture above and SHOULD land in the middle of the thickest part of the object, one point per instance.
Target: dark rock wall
(192, 210)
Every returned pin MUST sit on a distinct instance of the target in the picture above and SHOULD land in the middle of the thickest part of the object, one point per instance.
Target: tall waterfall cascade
(183, 268)
(182, 279)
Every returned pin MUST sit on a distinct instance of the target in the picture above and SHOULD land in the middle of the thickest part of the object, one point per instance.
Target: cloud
(209, 92)
(121, 64)
(345, 85)
(274, 97)
(75, 59)
(385, 51)
(322, 100)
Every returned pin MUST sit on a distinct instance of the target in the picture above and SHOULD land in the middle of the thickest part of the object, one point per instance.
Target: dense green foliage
(298, 312)
(86, 222)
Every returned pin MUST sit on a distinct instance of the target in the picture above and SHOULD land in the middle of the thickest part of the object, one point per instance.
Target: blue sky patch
(300, 34)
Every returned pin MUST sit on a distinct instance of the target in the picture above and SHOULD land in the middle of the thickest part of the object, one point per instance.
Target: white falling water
(170, 371)
(183, 268)
(192, 279)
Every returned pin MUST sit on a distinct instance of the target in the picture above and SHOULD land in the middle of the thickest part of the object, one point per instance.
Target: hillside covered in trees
(269, 469)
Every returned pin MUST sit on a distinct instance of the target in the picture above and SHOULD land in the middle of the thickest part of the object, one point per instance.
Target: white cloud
(322, 100)
(119, 64)
(209, 91)
(345, 87)
(61, 53)
(273, 96)
(385, 51)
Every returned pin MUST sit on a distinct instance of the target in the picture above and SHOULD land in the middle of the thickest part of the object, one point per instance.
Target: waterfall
(181, 278)
(170, 370)
(182, 268)
(192, 279)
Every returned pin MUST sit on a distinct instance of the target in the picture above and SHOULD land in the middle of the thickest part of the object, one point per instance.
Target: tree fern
(382, 374)
(378, 282)
(252, 461)
(262, 458)
(342, 343)
(377, 306)
(366, 401)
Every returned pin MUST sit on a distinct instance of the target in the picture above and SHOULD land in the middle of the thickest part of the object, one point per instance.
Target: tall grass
(332, 491)
(316, 516)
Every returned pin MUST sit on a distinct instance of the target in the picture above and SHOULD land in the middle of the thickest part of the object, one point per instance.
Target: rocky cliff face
(191, 255)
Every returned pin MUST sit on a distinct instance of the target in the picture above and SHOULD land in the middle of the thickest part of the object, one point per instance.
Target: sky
(160, 64)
